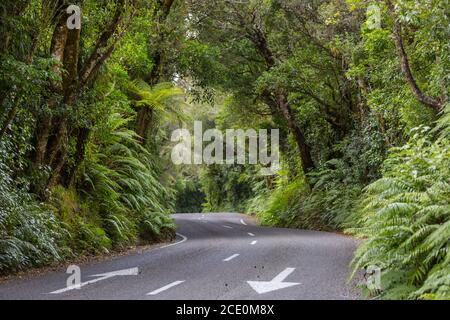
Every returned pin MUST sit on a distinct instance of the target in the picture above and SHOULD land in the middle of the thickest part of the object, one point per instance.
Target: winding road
(216, 256)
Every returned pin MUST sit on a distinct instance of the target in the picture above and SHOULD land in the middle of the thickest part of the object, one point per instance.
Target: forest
(359, 90)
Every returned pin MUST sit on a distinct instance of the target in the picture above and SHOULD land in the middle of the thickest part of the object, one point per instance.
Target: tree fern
(119, 177)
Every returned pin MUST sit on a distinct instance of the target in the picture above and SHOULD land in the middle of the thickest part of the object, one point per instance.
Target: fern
(405, 217)
(120, 179)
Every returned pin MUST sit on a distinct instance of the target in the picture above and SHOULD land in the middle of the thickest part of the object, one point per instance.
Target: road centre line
(231, 257)
(251, 234)
(167, 287)
(243, 222)
(253, 242)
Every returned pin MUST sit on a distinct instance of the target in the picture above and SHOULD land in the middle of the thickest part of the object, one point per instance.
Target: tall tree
(77, 75)
(158, 55)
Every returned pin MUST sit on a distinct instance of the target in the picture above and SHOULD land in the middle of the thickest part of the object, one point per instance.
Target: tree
(436, 104)
(76, 74)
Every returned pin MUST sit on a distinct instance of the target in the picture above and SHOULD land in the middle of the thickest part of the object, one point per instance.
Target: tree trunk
(43, 127)
(259, 40)
(56, 173)
(82, 139)
(143, 119)
(144, 115)
(56, 142)
(9, 119)
(41, 138)
(305, 154)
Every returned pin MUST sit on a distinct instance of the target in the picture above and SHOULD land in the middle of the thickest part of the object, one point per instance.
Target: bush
(29, 232)
(156, 226)
(405, 217)
(325, 206)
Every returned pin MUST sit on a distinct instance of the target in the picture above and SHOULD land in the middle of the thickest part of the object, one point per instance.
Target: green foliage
(120, 179)
(189, 195)
(282, 200)
(347, 86)
(226, 187)
(85, 165)
(29, 231)
(162, 97)
(156, 226)
(405, 217)
(110, 192)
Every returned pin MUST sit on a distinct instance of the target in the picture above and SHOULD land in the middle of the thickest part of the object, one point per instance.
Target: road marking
(228, 227)
(184, 239)
(275, 284)
(103, 276)
(231, 257)
(253, 242)
(170, 285)
(251, 234)
(243, 222)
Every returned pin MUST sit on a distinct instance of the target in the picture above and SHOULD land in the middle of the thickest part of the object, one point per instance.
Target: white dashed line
(253, 242)
(231, 257)
(228, 227)
(173, 284)
(243, 222)
(251, 234)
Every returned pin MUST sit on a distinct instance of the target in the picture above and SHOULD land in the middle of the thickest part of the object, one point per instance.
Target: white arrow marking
(170, 285)
(276, 284)
(253, 242)
(102, 276)
(243, 222)
(231, 258)
(251, 234)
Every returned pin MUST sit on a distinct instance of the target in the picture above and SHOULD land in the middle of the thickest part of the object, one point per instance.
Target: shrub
(29, 232)
(405, 217)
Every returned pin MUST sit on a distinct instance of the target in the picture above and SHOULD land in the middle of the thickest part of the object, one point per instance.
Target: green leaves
(29, 232)
(122, 181)
(405, 217)
(163, 97)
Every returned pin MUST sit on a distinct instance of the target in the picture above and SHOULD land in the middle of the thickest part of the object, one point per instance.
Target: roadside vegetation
(359, 90)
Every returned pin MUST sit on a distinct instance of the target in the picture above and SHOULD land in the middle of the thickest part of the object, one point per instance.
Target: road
(216, 256)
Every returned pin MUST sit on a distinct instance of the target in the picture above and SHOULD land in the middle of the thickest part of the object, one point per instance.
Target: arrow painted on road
(102, 276)
(275, 284)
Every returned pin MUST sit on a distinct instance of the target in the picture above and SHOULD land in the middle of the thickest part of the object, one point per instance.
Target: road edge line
(184, 239)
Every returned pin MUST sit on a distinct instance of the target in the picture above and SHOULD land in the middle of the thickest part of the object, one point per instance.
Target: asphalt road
(216, 256)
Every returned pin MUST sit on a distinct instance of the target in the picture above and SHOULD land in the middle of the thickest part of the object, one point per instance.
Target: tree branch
(435, 104)
(101, 50)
